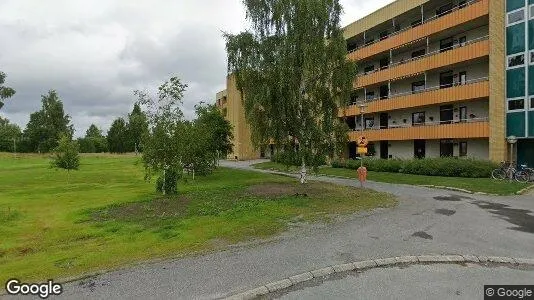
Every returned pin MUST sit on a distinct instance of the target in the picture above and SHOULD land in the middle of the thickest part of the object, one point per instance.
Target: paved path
(427, 221)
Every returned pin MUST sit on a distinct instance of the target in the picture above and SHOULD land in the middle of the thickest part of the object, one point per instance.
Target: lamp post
(512, 140)
(362, 111)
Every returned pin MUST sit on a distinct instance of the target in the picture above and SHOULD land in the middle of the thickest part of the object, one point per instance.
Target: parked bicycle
(529, 171)
(508, 171)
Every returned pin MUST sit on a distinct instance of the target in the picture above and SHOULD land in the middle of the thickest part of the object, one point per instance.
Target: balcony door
(384, 120)
(384, 63)
(384, 92)
(446, 44)
(384, 149)
(419, 148)
(446, 148)
(446, 114)
(446, 79)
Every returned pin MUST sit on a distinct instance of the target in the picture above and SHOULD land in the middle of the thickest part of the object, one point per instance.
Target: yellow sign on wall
(362, 150)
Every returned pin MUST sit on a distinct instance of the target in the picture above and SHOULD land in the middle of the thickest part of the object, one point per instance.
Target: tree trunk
(303, 172)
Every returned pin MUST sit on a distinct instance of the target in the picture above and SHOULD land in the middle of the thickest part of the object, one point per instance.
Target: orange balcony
(475, 90)
(467, 130)
(473, 50)
(430, 27)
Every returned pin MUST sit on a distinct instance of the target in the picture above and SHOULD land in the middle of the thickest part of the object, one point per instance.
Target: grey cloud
(95, 53)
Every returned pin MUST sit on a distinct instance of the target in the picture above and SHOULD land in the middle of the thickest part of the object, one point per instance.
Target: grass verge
(107, 216)
(484, 185)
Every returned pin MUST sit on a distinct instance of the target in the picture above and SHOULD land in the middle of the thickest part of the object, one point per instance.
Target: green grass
(485, 185)
(107, 216)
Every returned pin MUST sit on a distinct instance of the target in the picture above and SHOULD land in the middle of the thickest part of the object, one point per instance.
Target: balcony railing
(470, 50)
(456, 129)
(473, 89)
(441, 50)
(426, 89)
(455, 8)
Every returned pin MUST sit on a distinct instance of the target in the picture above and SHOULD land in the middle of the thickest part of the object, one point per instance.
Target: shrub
(171, 182)
(449, 167)
(293, 158)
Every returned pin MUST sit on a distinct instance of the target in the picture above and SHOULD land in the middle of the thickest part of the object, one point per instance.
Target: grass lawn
(107, 216)
(486, 185)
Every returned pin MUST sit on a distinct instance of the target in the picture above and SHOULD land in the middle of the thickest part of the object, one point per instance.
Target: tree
(137, 128)
(163, 148)
(118, 136)
(66, 155)
(293, 72)
(5, 92)
(47, 125)
(10, 135)
(94, 141)
(218, 129)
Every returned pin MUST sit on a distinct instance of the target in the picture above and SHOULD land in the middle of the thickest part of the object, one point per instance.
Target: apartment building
(443, 78)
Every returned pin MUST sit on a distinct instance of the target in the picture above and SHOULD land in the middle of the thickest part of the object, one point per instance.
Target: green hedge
(290, 158)
(449, 167)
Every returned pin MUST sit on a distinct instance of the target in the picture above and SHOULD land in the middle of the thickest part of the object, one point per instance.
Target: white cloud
(95, 53)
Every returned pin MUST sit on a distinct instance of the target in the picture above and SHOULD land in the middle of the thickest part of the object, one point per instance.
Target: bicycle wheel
(498, 174)
(522, 176)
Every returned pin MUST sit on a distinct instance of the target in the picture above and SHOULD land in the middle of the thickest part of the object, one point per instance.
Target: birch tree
(292, 69)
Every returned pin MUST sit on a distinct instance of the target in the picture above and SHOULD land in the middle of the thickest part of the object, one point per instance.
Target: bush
(293, 158)
(449, 167)
(171, 182)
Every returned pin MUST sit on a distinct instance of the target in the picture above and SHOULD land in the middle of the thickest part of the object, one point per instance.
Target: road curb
(526, 190)
(365, 265)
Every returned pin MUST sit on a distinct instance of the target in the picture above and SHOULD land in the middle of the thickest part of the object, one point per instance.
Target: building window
(463, 114)
(418, 86)
(531, 10)
(463, 148)
(418, 53)
(370, 96)
(516, 60)
(532, 103)
(370, 68)
(531, 55)
(516, 16)
(462, 41)
(354, 98)
(369, 123)
(418, 119)
(516, 104)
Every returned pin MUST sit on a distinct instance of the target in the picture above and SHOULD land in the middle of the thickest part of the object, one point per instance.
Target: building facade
(442, 78)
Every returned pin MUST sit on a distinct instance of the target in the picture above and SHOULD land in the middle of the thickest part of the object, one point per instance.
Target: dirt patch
(157, 208)
(275, 190)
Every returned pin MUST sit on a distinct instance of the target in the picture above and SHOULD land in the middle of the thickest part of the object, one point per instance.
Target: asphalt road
(427, 221)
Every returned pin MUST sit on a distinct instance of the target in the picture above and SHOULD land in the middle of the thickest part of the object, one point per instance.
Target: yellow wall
(243, 148)
(497, 138)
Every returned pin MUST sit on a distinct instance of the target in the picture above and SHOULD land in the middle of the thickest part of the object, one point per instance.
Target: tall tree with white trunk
(292, 69)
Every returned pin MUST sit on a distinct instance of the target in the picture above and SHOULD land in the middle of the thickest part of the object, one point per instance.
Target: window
(369, 42)
(463, 148)
(516, 104)
(370, 96)
(532, 103)
(370, 68)
(418, 86)
(463, 114)
(463, 78)
(531, 10)
(462, 41)
(445, 9)
(446, 44)
(531, 57)
(516, 16)
(354, 98)
(369, 123)
(418, 119)
(384, 35)
(418, 53)
(516, 60)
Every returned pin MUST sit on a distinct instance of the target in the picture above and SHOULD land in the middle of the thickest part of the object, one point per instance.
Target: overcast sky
(96, 52)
